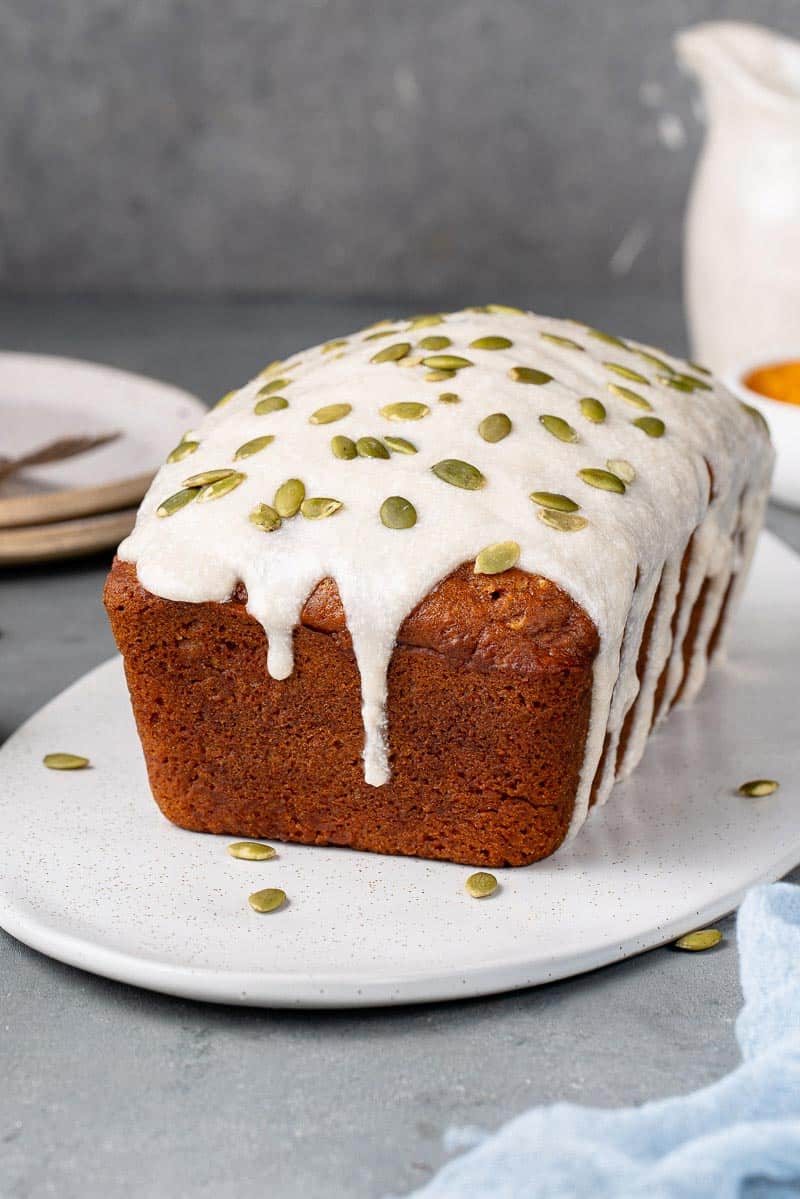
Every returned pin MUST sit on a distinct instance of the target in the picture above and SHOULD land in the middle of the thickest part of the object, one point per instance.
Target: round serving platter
(91, 874)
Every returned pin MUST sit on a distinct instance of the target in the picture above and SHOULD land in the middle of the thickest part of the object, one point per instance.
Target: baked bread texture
(427, 589)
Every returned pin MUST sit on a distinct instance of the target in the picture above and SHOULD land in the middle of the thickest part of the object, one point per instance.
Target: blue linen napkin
(724, 1141)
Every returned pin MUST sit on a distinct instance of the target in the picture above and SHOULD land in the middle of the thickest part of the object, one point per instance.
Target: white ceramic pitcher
(742, 249)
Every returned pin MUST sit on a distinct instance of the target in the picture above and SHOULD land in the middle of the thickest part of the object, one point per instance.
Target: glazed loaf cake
(426, 589)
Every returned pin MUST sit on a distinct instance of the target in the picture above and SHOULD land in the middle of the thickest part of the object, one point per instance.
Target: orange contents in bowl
(779, 381)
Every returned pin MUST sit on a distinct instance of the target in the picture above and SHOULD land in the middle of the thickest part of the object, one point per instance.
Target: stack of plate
(85, 502)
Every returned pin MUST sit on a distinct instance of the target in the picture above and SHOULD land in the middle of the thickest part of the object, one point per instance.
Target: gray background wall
(359, 147)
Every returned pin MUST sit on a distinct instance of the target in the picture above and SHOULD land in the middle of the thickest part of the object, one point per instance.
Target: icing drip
(203, 550)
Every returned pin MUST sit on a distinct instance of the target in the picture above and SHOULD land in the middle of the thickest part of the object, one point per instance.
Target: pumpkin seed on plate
(564, 522)
(758, 788)
(559, 428)
(65, 761)
(435, 343)
(269, 404)
(182, 450)
(622, 468)
(318, 507)
(398, 513)
(459, 474)
(554, 500)
(495, 427)
(494, 559)
(704, 938)
(175, 502)
(216, 490)
(630, 397)
(343, 447)
(289, 497)
(405, 410)
(251, 851)
(481, 884)
(268, 900)
(446, 362)
(400, 445)
(653, 426)
(252, 447)
(557, 340)
(392, 353)
(627, 373)
(491, 343)
(603, 479)
(529, 374)
(593, 410)
(329, 413)
(371, 447)
(265, 517)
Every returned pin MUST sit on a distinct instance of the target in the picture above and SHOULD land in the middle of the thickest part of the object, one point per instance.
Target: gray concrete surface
(346, 147)
(107, 1092)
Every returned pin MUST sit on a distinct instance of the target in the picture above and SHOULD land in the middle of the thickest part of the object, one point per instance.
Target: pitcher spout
(759, 65)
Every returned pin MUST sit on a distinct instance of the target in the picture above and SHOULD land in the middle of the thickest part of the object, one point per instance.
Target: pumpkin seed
(426, 320)
(183, 450)
(439, 376)
(398, 513)
(622, 469)
(491, 343)
(268, 900)
(481, 884)
(371, 447)
(65, 761)
(381, 324)
(757, 788)
(400, 445)
(177, 501)
(446, 362)
(319, 507)
(405, 410)
(251, 851)
(410, 362)
(653, 426)
(289, 497)
(215, 491)
(343, 447)
(392, 353)
(554, 500)
(494, 559)
(565, 522)
(691, 381)
(506, 308)
(381, 333)
(252, 447)
(630, 397)
(273, 385)
(603, 479)
(676, 384)
(627, 373)
(558, 428)
(265, 517)
(226, 399)
(435, 343)
(529, 374)
(270, 404)
(449, 397)
(608, 338)
(557, 340)
(702, 369)
(208, 476)
(334, 345)
(495, 427)
(704, 938)
(271, 367)
(658, 363)
(459, 474)
(329, 413)
(757, 416)
(593, 410)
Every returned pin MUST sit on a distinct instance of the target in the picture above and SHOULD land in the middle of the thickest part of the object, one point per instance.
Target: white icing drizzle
(202, 551)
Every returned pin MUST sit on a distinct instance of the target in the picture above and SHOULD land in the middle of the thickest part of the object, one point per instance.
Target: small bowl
(784, 425)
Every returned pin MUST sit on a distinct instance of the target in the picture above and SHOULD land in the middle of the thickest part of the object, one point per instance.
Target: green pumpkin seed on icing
(459, 474)
(529, 374)
(289, 497)
(329, 413)
(397, 512)
(491, 343)
(495, 427)
(392, 353)
(494, 559)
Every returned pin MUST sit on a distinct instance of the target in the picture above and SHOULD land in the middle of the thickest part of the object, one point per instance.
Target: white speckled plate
(90, 873)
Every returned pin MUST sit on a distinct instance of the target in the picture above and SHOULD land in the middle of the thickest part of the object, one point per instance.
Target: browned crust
(488, 711)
